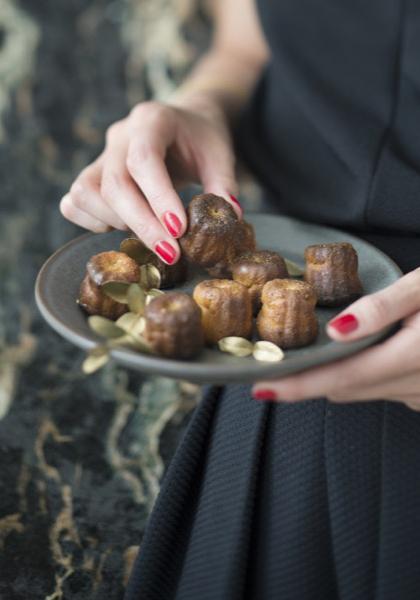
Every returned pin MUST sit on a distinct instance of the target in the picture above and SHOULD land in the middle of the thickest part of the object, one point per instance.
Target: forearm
(224, 78)
(221, 79)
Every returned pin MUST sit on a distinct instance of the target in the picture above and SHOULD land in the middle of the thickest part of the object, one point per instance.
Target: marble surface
(81, 458)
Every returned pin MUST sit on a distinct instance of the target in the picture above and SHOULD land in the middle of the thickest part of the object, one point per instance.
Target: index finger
(366, 368)
(146, 164)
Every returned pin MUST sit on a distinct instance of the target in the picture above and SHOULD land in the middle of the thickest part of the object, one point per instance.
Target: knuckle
(138, 111)
(141, 228)
(378, 308)
(151, 110)
(112, 184)
(113, 131)
(136, 155)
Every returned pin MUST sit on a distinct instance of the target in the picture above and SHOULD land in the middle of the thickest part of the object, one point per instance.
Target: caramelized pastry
(173, 326)
(332, 270)
(287, 317)
(112, 266)
(226, 309)
(215, 235)
(95, 302)
(254, 269)
(171, 275)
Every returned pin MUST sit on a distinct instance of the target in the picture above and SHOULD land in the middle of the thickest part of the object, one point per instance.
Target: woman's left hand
(387, 371)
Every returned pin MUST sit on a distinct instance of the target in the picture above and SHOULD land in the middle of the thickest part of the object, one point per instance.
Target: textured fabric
(293, 502)
(331, 131)
(311, 501)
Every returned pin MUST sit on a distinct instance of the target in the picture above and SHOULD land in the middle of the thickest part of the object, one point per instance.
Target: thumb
(375, 311)
(217, 175)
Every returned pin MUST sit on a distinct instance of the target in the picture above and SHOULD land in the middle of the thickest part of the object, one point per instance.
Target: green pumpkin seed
(127, 321)
(136, 299)
(95, 360)
(117, 290)
(104, 327)
(293, 268)
(136, 250)
(134, 342)
(149, 277)
(237, 346)
(153, 293)
(139, 326)
(267, 352)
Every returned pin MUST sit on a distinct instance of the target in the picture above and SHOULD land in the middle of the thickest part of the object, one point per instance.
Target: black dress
(311, 501)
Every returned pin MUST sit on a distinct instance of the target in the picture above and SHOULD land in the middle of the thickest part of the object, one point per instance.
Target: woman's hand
(388, 371)
(148, 155)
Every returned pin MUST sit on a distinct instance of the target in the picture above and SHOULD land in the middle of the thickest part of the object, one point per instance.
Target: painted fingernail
(166, 251)
(173, 224)
(236, 201)
(345, 324)
(264, 395)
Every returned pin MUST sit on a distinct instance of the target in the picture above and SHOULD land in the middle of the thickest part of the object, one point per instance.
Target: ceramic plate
(58, 283)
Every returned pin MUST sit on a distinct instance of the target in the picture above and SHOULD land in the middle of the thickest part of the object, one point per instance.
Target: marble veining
(81, 458)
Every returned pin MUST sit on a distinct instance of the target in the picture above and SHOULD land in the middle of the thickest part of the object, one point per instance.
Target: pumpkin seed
(135, 342)
(117, 290)
(293, 268)
(104, 327)
(267, 352)
(136, 298)
(149, 277)
(139, 326)
(127, 321)
(153, 293)
(96, 359)
(136, 250)
(237, 346)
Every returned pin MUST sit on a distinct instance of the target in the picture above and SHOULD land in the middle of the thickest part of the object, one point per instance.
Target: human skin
(387, 371)
(159, 147)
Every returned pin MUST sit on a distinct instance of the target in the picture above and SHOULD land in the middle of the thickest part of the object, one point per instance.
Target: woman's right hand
(157, 149)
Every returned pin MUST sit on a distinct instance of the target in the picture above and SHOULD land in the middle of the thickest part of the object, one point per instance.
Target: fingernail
(345, 323)
(173, 224)
(236, 201)
(264, 395)
(166, 251)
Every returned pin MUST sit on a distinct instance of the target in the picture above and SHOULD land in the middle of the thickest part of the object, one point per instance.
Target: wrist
(205, 102)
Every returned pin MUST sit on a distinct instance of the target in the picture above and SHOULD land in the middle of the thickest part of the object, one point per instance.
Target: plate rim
(165, 367)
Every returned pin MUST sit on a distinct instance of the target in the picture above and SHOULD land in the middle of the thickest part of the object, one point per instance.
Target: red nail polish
(173, 224)
(236, 201)
(166, 252)
(264, 395)
(345, 323)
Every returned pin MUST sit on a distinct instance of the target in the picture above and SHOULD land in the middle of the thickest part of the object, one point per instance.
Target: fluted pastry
(173, 326)
(254, 269)
(287, 317)
(215, 235)
(93, 301)
(225, 307)
(332, 269)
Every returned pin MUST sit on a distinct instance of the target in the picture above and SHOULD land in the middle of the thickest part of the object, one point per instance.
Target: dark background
(81, 458)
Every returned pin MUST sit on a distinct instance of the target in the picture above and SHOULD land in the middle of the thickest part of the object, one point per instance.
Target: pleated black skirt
(267, 501)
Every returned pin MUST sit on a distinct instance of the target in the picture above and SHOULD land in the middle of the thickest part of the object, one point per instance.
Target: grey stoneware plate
(58, 283)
